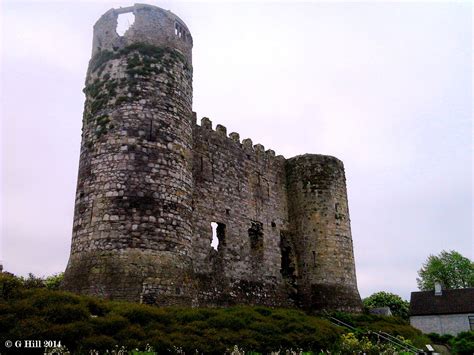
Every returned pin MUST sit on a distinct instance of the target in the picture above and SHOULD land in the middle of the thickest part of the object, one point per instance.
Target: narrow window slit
(151, 130)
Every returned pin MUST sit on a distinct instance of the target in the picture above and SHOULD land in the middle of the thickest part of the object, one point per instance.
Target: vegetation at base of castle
(83, 323)
(393, 325)
(352, 344)
(462, 344)
(451, 269)
(398, 306)
(31, 282)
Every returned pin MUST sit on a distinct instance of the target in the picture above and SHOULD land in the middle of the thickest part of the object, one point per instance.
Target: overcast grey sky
(385, 87)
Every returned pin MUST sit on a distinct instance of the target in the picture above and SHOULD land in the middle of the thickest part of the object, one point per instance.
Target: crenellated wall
(151, 182)
(241, 187)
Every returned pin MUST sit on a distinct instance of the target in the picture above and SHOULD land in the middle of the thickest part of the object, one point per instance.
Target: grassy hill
(83, 323)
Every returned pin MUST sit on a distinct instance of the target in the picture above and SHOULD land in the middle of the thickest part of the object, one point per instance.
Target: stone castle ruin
(152, 181)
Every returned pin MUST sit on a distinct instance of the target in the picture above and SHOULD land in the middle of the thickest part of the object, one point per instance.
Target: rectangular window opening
(288, 259)
(256, 236)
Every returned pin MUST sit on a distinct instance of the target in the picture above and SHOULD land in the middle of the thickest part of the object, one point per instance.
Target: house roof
(450, 302)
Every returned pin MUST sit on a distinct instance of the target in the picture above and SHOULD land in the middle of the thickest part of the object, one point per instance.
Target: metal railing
(381, 335)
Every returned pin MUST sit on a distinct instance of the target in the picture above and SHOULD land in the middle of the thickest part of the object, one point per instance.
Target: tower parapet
(152, 25)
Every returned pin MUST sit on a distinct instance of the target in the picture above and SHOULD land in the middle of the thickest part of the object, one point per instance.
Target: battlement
(246, 144)
(172, 212)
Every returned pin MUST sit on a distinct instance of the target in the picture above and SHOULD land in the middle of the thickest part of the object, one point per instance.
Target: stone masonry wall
(320, 232)
(152, 25)
(242, 188)
(132, 222)
(151, 181)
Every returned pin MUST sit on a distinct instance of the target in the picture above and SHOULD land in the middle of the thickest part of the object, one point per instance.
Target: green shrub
(110, 324)
(7, 321)
(192, 315)
(10, 286)
(66, 313)
(53, 282)
(397, 305)
(161, 343)
(227, 321)
(83, 323)
(96, 307)
(463, 343)
(34, 327)
(395, 326)
(23, 309)
(440, 339)
(72, 334)
(131, 331)
(32, 281)
(142, 314)
(43, 298)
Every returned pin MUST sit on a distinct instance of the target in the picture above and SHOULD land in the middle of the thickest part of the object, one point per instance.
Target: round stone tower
(321, 233)
(132, 234)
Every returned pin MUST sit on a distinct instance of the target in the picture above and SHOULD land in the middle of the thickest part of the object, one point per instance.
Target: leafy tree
(398, 306)
(451, 269)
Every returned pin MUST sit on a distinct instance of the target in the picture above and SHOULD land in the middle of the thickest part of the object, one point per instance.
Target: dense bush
(463, 343)
(440, 339)
(351, 344)
(392, 325)
(397, 305)
(8, 281)
(83, 323)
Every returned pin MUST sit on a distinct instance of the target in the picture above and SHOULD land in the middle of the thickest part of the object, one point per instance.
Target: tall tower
(321, 233)
(132, 234)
